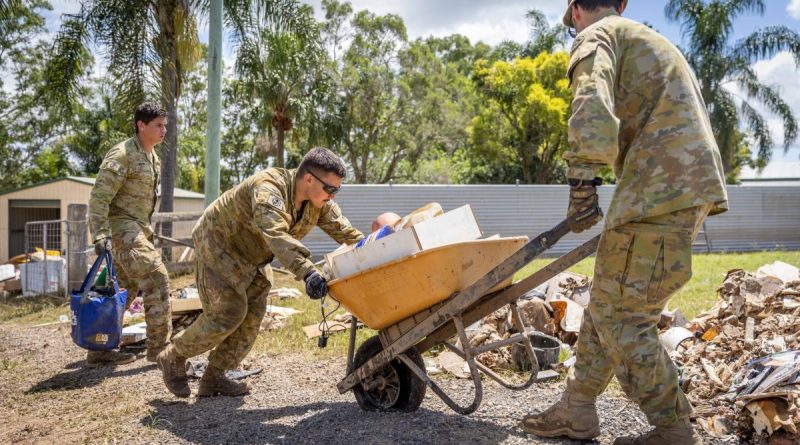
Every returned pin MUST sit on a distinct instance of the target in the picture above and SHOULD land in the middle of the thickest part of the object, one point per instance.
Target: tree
(441, 101)
(279, 63)
(522, 129)
(543, 38)
(362, 111)
(718, 63)
(242, 151)
(28, 124)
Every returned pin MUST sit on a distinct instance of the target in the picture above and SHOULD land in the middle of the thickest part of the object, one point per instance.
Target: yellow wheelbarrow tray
(422, 300)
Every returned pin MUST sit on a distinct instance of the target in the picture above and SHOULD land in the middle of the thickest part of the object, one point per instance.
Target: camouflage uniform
(638, 107)
(121, 204)
(237, 237)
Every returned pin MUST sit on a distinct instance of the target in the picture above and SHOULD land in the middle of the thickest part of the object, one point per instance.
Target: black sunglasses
(329, 189)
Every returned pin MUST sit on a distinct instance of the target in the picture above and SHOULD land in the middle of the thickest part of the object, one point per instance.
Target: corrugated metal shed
(760, 217)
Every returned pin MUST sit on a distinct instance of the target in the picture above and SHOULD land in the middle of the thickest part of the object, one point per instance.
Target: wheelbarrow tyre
(411, 390)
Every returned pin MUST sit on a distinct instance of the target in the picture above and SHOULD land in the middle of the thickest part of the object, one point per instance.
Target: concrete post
(77, 258)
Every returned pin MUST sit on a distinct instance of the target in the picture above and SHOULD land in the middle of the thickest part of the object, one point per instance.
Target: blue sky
(498, 20)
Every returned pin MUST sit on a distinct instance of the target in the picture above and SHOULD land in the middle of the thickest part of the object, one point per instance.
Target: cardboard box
(452, 227)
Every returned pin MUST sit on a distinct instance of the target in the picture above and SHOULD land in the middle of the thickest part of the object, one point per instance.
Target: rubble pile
(554, 308)
(739, 362)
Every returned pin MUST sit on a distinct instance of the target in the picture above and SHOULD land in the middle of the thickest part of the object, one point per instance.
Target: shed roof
(179, 192)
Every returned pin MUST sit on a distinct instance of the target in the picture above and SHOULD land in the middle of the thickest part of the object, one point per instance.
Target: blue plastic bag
(376, 235)
(97, 311)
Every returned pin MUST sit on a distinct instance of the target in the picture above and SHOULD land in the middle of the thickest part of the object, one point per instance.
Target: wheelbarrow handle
(550, 238)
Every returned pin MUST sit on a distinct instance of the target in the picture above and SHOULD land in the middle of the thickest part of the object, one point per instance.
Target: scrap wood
(180, 305)
(454, 364)
(771, 415)
(744, 366)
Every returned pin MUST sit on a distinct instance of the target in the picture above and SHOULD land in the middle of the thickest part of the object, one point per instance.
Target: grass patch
(292, 338)
(33, 310)
(709, 269)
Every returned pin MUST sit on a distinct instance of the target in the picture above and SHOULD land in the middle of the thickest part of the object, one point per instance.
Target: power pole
(214, 101)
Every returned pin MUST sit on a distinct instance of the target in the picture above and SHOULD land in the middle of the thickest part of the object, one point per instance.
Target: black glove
(101, 245)
(316, 286)
(584, 208)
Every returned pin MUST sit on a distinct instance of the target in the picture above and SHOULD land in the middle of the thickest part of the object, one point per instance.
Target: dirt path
(49, 396)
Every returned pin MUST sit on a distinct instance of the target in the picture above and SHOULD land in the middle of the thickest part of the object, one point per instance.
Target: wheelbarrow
(423, 300)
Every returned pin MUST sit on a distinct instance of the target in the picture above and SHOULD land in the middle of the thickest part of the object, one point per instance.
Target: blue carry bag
(97, 311)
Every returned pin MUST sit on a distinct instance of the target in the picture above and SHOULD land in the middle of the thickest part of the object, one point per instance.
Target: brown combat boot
(152, 353)
(214, 382)
(173, 369)
(100, 358)
(680, 432)
(574, 416)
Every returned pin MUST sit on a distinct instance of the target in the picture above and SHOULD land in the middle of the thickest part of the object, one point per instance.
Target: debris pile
(554, 308)
(740, 363)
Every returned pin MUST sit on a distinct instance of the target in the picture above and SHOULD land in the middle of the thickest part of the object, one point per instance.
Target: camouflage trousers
(639, 266)
(230, 320)
(139, 267)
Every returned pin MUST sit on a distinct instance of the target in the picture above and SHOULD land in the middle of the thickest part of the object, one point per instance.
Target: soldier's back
(668, 159)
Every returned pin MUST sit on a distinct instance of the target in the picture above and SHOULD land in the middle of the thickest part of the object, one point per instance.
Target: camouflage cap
(567, 20)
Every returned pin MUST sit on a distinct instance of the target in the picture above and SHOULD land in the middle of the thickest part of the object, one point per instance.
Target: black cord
(323, 325)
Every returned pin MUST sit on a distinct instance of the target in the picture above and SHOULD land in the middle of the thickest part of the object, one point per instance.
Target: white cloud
(793, 8)
(479, 20)
(781, 72)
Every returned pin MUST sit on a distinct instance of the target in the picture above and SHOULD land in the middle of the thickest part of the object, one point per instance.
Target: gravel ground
(49, 396)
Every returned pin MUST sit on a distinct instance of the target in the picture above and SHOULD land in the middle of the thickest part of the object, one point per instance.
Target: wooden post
(77, 259)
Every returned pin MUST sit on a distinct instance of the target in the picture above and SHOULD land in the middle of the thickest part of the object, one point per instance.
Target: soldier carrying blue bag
(122, 201)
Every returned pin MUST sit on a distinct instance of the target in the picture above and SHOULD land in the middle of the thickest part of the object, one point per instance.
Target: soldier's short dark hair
(146, 112)
(323, 160)
(591, 5)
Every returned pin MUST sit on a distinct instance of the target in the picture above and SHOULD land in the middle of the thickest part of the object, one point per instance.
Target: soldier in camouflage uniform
(122, 201)
(637, 106)
(237, 237)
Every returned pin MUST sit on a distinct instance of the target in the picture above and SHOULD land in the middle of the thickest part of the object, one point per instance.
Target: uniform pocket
(676, 265)
(643, 277)
(612, 259)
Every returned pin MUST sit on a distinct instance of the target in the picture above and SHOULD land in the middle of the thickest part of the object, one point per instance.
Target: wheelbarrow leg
(351, 348)
(476, 377)
(523, 336)
(526, 340)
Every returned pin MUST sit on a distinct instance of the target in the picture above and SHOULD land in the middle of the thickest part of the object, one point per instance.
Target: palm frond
(759, 130)
(767, 42)
(736, 7)
(771, 97)
(70, 60)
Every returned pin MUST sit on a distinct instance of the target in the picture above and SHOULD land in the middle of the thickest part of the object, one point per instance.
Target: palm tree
(149, 46)
(720, 63)
(280, 63)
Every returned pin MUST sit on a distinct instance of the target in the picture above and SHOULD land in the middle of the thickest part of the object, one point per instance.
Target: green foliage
(279, 64)
(718, 62)
(28, 122)
(520, 132)
(364, 105)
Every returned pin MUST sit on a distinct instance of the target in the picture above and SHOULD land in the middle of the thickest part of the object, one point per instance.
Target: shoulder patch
(276, 201)
(114, 166)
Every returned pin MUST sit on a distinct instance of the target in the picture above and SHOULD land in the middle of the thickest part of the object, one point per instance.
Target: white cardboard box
(452, 227)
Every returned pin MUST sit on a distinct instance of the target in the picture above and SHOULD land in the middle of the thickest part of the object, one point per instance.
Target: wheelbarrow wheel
(392, 388)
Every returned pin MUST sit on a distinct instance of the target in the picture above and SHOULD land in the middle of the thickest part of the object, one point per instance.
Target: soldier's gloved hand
(316, 286)
(101, 245)
(584, 208)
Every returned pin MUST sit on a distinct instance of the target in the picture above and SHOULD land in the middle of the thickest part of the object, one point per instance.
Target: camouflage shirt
(638, 108)
(125, 190)
(254, 222)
